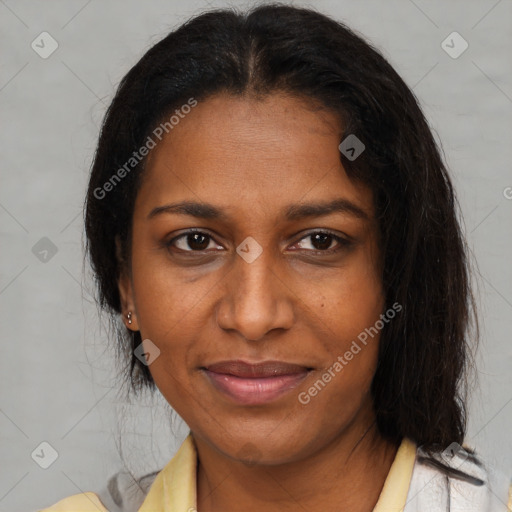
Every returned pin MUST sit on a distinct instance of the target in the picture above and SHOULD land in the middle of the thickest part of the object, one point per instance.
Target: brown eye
(192, 241)
(198, 241)
(323, 242)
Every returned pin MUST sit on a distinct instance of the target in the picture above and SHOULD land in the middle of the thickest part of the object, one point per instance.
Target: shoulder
(123, 493)
(84, 502)
(457, 479)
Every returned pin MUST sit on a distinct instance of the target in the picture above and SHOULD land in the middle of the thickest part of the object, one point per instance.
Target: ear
(126, 291)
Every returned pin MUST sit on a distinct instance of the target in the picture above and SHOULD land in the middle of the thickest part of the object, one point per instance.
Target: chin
(256, 447)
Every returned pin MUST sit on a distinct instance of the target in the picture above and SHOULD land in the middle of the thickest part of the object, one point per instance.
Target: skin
(252, 158)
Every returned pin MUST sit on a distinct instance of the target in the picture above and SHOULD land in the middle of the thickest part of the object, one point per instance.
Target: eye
(193, 241)
(323, 242)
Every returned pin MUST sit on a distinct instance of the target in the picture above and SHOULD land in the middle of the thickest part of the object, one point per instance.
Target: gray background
(58, 382)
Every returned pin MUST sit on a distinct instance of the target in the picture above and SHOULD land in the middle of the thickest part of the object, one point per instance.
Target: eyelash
(343, 242)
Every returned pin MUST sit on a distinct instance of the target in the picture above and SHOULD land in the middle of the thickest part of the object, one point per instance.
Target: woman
(269, 213)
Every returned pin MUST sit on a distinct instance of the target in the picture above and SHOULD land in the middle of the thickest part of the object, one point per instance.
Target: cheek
(342, 386)
(352, 305)
(165, 300)
(168, 312)
(349, 305)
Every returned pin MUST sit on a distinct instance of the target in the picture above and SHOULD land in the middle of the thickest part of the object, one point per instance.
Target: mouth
(255, 384)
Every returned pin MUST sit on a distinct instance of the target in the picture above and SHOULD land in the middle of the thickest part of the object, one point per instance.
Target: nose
(255, 299)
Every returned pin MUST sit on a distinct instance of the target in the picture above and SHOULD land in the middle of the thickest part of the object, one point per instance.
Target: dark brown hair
(418, 387)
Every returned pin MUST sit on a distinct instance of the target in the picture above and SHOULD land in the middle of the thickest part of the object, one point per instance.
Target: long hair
(418, 388)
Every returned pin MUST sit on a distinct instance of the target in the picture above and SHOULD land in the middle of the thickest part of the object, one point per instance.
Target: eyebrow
(291, 212)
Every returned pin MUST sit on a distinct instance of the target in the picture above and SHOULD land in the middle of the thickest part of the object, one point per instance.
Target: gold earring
(129, 316)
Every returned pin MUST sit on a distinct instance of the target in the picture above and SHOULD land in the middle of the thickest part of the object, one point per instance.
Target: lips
(255, 384)
(264, 369)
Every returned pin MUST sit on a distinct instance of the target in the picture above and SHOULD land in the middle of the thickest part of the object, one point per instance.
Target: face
(251, 245)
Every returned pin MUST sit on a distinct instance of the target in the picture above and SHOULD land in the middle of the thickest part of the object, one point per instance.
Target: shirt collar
(174, 489)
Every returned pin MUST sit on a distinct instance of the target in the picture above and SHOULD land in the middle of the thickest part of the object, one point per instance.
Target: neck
(347, 474)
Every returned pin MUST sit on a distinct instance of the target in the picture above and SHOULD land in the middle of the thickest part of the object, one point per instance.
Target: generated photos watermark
(304, 397)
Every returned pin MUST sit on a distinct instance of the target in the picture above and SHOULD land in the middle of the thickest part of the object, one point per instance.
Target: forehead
(251, 153)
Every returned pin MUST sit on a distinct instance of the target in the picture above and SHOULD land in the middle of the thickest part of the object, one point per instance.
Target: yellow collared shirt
(174, 488)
